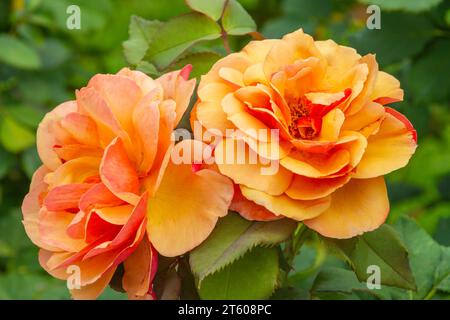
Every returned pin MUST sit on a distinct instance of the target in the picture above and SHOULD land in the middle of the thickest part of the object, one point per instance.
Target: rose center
(300, 125)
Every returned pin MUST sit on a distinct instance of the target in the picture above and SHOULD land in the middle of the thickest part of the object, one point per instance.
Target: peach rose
(336, 137)
(107, 192)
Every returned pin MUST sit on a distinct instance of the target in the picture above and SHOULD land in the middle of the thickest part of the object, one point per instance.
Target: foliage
(42, 62)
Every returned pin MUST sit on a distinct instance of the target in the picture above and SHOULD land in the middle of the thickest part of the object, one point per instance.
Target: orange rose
(336, 138)
(107, 191)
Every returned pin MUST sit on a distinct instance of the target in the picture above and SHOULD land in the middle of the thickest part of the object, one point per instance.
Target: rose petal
(180, 218)
(286, 206)
(390, 149)
(118, 173)
(45, 138)
(359, 206)
(177, 87)
(237, 161)
(250, 210)
(140, 270)
(304, 188)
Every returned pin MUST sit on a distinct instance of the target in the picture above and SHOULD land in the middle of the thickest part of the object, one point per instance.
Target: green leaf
(14, 136)
(6, 162)
(233, 237)
(148, 68)
(407, 33)
(211, 8)
(30, 161)
(141, 32)
(290, 293)
(17, 53)
(335, 280)
(178, 35)
(430, 262)
(111, 294)
(53, 53)
(236, 21)
(404, 5)
(442, 276)
(20, 286)
(298, 13)
(383, 248)
(254, 276)
(343, 284)
(447, 17)
(200, 61)
(434, 66)
(26, 115)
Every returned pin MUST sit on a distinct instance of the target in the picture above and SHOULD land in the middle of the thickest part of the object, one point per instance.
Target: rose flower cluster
(107, 191)
(108, 194)
(336, 136)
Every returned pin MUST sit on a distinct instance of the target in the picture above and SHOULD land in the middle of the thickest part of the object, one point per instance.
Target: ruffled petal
(359, 206)
(250, 210)
(121, 94)
(180, 218)
(304, 188)
(387, 89)
(45, 138)
(140, 270)
(118, 173)
(285, 206)
(32, 205)
(237, 161)
(390, 149)
(93, 290)
(65, 197)
(179, 88)
(146, 118)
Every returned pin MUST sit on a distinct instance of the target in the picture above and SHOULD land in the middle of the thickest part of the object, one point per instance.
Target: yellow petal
(387, 89)
(74, 171)
(93, 290)
(304, 188)
(315, 165)
(368, 115)
(232, 75)
(390, 149)
(118, 215)
(293, 47)
(364, 96)
(249, 209)
(331, 125)
(286, 206)
(181, 218)
(236, 160)
(357, 207)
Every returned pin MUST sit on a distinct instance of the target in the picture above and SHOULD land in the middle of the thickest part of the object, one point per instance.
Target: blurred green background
(42, 63)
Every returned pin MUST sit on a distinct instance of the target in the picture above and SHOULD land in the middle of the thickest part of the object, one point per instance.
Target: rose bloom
(107, 192)
(336, 136)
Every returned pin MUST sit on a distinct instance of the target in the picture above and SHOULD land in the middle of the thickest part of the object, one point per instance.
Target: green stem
(293, 247)
(224, 34)
(434, 289)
